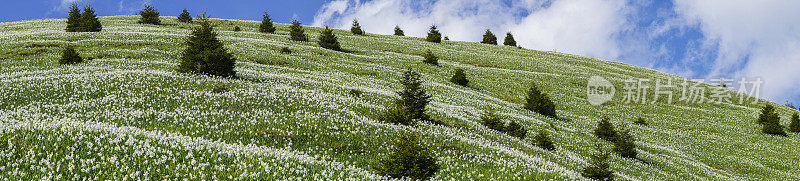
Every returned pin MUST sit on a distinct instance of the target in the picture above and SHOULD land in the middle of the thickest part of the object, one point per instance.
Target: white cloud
(123, 6)
(748, 38)
(131, 7)
(753, 38)
(64, 5)
(587, 27)
(327, 11)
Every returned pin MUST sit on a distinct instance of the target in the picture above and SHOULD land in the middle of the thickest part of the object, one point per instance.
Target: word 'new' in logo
(599, 90)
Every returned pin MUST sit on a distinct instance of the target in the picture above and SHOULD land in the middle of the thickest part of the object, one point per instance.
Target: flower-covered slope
(126, 113)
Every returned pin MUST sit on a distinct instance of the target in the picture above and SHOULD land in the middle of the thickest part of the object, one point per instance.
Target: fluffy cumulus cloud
(751, 38)
(587, 27)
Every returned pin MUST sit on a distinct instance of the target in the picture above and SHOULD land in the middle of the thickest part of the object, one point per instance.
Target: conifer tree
(296, 31)
(640, 121)
(413, 96)
(539, 102)
(409, 160)
(74, 19)
(434, 35)
(794, 126)
(516, 130)
(460, 78)
(543, 141)
(328, 40)
(599, 168)
(149, 15)
(605, 130)
(767, 114)
(89, 20)
(356, 29)
(185, 17)
(286, 50)
(398, 31)
(774, 128)
(70, 56)
(492, 121)
(770, 121)
(624, 144)
(206, 55)
(266, 24)
(489, 38)
(412, 104)
(430, 58)
(397, 114)
(509, 41)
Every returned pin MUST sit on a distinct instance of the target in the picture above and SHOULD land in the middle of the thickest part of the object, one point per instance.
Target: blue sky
(280, 10)
(695, 39)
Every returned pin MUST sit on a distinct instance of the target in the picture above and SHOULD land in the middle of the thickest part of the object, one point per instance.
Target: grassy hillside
(126, 112)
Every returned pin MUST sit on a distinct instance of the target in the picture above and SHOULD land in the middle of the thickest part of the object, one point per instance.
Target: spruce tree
(624, 144)
(413, 96)
(605, 130)
(640, 121)
(460, 78)
(539, 102)
(516, 130)
(430, 58)
(206, 55)
(70, 56)
(492, 121)
(296, 31)
(398, 31)
(510, 40)
(328, 40)
(74, 19)
(266, 24)
(794, 126)
(185, 17)
(412, 104)
(767, 114)
(543, 141)
(770, 121)
(599, 168)
(489, 38)
(89, 20)
(356, 29)
(149, 15)
(397, 114)
(434, 35)
(286, 50)
(774, 128)
(408, 160)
